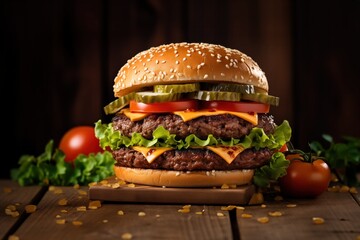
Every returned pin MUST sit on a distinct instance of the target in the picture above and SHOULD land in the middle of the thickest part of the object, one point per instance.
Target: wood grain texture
(357, 195)
(339, 210)
(12, 194)
(159, 222)
(149, 194)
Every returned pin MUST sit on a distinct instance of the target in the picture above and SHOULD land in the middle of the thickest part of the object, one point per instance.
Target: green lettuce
(50, 168)
(161, 137)
(272, 171)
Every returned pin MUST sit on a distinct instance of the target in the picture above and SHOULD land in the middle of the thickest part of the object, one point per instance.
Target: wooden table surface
(64, 213)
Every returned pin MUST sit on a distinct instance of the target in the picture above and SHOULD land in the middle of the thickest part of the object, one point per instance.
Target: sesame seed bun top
(177, 63)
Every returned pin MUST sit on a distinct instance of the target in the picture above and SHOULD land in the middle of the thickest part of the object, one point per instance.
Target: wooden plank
(357, 195)
(339, 210)
(150, 194)
(12, 194)
(159, 222)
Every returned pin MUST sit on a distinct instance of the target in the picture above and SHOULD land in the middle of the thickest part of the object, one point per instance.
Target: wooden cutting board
(111, 190)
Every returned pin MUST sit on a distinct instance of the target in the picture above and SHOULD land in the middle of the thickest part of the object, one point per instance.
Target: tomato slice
(252, 107)
(162, 107)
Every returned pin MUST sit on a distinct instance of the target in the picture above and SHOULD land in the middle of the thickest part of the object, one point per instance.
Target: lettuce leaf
(50, 168)
(162, 138)
(272, 171)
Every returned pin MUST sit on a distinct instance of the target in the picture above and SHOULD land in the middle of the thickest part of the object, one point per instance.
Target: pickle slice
(229, 87)
(118, 104)
(151, 97)
(177, 88)
(216, 96)
(262, 98)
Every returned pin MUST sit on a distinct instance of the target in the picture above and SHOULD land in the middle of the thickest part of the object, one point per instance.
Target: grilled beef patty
(192, 160)
(224, 126)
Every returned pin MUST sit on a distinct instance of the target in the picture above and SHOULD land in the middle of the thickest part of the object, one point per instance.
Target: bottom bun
(168, 178)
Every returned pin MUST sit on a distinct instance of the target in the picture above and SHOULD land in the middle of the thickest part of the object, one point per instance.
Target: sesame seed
(218, 60)
(176, 62)
(206, 76)
(157, 61)
(188, 66)
(184, 59)
(163, 61)
(222, 74)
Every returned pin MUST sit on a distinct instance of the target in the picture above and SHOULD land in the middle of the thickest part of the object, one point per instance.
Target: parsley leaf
(343, 156)
(50, 168)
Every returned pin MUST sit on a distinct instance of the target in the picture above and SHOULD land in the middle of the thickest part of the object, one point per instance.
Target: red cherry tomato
(236, 106)
(284, 148)
(305, 179)
(79, 140)
(161, 107)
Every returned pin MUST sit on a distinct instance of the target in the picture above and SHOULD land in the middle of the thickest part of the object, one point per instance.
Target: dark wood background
(59, 59)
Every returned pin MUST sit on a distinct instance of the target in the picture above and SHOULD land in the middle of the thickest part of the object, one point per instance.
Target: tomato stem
(306, 157)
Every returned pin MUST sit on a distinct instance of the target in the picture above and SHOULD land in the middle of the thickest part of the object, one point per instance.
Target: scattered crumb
(77, 223)
(141, 214)
(30, 208)
(318, 220)
(263, 219)
(126, 236)
(275, 214)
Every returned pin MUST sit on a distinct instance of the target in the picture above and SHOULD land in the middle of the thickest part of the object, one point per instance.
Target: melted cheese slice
(151, 153)
(134, 116)
(189, 115)
(227, 153)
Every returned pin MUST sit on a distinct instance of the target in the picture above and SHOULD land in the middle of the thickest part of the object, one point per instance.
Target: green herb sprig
(342, 156)
(50, 168)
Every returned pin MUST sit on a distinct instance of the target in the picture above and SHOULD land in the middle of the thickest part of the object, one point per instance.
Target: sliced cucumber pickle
(230, 87)
(151, 97)
(177, 88)
(118, 104)
(216, 96)
(262, 98)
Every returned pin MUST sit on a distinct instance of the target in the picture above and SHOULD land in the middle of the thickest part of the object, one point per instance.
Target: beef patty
(192, 160)
(224, 126)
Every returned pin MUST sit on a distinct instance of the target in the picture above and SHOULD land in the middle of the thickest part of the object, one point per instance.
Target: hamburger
(193, 115)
